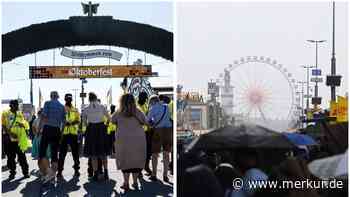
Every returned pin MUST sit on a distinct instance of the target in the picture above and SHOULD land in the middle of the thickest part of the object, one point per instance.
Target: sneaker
(12, 176)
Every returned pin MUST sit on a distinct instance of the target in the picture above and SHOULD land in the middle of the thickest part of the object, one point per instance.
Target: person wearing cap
(162, 139)
(70, 137)
(142, 105)
(53, 118)
(15, 125)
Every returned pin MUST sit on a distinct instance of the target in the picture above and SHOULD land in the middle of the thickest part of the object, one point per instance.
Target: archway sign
(79, 72)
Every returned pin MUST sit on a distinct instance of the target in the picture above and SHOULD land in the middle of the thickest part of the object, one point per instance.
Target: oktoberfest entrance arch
(87, 31)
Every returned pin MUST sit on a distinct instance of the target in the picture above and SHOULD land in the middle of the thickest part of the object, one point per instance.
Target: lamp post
(316, 65)
(307, 86)
(333, 56)
(333, 80)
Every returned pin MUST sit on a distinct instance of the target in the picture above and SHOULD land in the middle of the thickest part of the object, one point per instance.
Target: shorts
(162, 139)
(51, 135)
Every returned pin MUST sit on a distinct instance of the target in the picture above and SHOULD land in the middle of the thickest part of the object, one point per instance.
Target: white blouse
(94, 113)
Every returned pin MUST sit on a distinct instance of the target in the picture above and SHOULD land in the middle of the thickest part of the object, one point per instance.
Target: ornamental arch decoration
(85, 30)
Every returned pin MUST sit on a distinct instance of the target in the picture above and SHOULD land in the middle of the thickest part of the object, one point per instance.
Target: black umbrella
(243, 136)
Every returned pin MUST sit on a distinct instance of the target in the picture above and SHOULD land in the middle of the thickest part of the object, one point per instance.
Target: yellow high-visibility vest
(144, 108)
(9, 122)
(111, 127)
(72, 115)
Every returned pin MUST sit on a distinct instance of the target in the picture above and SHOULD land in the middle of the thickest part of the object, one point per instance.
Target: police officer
(70, 137)
(15, 125)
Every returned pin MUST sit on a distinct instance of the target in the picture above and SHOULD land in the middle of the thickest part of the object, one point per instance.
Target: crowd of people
(214, 174)
(134, 134)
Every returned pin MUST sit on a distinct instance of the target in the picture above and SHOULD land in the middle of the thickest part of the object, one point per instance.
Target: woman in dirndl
(96, 138)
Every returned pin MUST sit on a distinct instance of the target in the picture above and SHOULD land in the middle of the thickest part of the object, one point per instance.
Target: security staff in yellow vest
(111, 129)
(70, 137)
(142, 105)
(15, 125)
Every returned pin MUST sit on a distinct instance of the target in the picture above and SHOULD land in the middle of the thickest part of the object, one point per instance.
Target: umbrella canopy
(330, 167)
(300, 139)
(243, 136)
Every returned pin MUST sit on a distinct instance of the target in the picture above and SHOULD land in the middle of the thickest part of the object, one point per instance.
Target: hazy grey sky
(16, 15)
(212, 35)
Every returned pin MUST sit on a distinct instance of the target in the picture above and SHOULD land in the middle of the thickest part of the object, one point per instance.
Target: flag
(342, 111)
(40, 99)
(109, 96)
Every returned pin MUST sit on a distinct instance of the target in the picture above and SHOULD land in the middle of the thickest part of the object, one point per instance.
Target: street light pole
(316, 82)
(307, 86)
(31, 84)
(333, 71)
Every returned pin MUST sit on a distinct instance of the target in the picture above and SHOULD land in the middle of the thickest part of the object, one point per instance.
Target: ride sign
(67, 72)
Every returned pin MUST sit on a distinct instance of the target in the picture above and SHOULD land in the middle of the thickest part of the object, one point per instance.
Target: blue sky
(16, 15)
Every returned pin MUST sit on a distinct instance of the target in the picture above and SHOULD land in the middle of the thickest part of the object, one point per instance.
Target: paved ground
(78, 187)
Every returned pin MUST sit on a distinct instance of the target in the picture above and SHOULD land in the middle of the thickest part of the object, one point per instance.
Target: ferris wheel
(262, 90)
